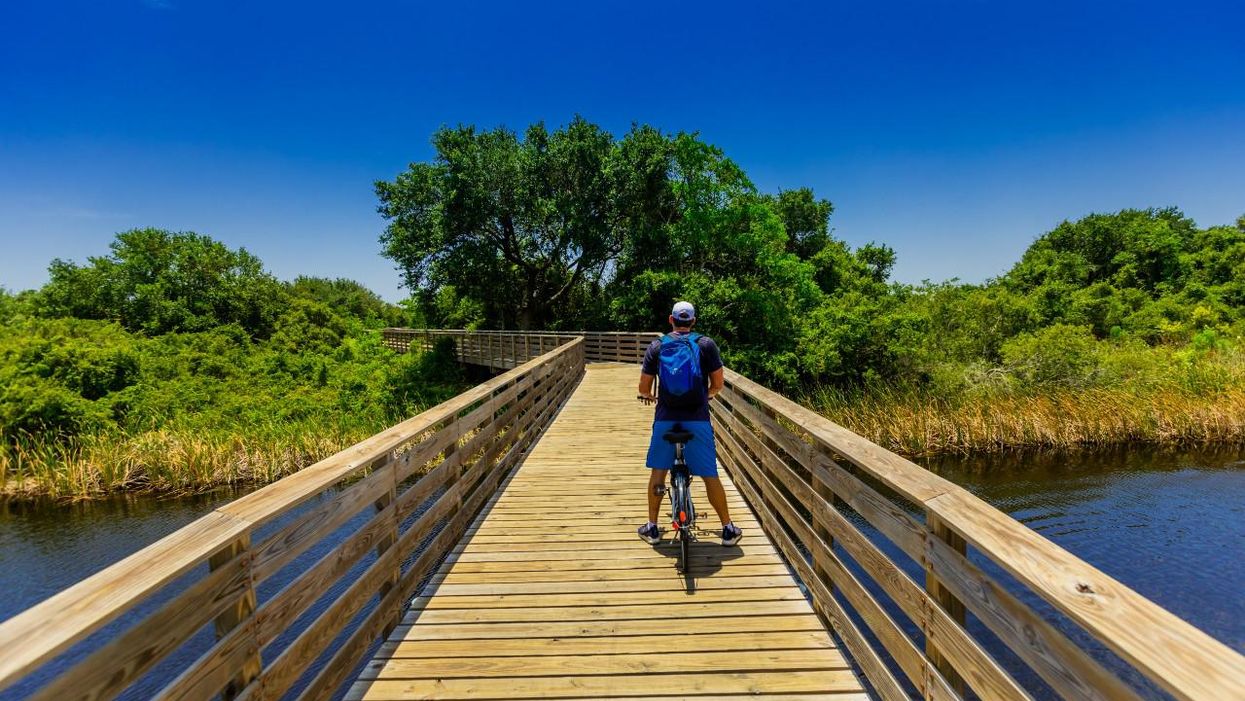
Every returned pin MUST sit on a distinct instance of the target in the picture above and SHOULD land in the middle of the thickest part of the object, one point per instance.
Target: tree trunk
(526, 317)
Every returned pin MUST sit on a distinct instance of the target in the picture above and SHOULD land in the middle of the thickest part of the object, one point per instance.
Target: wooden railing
(811, 481)
(346, 541)
(502, 349)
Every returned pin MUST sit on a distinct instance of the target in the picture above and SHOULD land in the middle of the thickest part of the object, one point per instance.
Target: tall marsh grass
(1169, 398)
(915, 423)
(169, 460)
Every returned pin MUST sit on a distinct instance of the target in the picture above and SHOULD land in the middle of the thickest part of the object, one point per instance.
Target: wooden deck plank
(601, 613)
(583, 665)
(566, 629)
(551, 595)
(657, 597)
(657, 573)
(606, 686)
(743, 643)
(698, 560)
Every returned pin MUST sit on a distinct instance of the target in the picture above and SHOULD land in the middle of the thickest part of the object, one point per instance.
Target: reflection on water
(1170, 525)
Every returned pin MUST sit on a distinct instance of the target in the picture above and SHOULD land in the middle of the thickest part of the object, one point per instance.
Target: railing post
(935, 528)
(820, 529)
(387, 541)
(241, 613)
(451, 454)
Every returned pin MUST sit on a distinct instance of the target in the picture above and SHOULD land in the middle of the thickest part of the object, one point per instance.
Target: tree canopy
(575, 228)
(158, 281)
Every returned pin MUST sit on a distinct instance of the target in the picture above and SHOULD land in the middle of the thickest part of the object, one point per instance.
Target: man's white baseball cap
(683, 311)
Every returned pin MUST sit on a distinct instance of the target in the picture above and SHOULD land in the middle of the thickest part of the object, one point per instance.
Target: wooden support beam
(237, 616)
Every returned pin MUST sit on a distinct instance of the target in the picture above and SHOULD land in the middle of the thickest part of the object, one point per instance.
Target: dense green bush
(349, 299)
(158, 281)
(1058, 355)
(58, 375)
(73, 364)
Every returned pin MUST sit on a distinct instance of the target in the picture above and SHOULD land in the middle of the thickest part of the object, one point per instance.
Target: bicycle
(682, 511)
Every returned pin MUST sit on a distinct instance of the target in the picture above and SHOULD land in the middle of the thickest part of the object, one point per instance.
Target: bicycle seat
(678, 435)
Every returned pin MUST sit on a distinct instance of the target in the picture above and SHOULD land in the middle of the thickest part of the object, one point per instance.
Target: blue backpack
(682, 385)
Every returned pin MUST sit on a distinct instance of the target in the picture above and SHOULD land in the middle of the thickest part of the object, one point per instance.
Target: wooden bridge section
(485, 549)
(552, 595)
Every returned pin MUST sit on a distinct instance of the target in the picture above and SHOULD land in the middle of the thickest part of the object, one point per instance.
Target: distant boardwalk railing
(501, 349)
(935, 594)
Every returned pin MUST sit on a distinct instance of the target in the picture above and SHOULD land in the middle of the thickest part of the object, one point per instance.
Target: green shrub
(32, 405)
(1059, 355)
(158, 281)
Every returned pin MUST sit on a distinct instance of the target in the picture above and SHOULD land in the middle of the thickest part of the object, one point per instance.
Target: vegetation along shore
(174, 363)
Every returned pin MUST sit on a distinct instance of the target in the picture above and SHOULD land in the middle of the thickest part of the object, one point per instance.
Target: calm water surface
(1171, 525)
(45, 547)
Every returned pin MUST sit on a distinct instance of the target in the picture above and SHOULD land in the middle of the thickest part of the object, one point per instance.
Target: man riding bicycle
(688, 408)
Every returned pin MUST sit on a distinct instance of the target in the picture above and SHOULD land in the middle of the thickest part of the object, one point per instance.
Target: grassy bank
(166, 461)
(266, 414)
(88, 408)
(1128, 395)
(915, 423)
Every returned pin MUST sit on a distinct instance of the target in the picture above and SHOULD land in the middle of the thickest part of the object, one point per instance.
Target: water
(1171, 525)
(45, 547)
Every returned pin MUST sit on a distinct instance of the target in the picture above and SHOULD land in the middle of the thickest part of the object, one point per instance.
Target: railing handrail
(489, 347)
(566, 334)
(45, 630)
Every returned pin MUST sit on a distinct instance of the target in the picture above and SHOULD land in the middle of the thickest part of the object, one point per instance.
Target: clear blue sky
(956, 132)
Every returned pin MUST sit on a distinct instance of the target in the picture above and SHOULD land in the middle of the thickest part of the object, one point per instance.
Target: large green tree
(158, 281)
(526, 226)
(577, 229)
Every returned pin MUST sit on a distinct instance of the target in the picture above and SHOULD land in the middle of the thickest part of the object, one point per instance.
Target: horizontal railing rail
(811, 481)
(502, 349)
(402, 498)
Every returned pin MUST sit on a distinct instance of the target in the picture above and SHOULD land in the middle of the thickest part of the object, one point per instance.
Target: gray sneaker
(731, 534)
(649, 533)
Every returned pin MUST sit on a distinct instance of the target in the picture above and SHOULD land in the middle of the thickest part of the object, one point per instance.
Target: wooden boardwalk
(552, 595)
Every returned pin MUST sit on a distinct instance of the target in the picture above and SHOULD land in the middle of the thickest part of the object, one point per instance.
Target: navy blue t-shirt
(710, 361)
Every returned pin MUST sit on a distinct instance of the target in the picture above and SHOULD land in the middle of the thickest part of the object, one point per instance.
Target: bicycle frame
(682, 511)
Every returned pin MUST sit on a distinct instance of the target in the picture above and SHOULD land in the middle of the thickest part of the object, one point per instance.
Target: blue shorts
(700, 454)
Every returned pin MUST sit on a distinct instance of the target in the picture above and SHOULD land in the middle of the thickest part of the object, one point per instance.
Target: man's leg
(717, 498)
(656, 479)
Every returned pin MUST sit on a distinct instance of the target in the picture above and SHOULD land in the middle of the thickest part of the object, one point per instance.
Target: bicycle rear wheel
(685, 550)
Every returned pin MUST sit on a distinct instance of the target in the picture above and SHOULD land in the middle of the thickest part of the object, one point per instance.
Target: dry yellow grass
(167, 461)
(915, 423)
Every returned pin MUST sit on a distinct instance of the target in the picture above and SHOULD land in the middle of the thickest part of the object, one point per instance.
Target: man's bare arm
(717, 380)
(646, 386)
